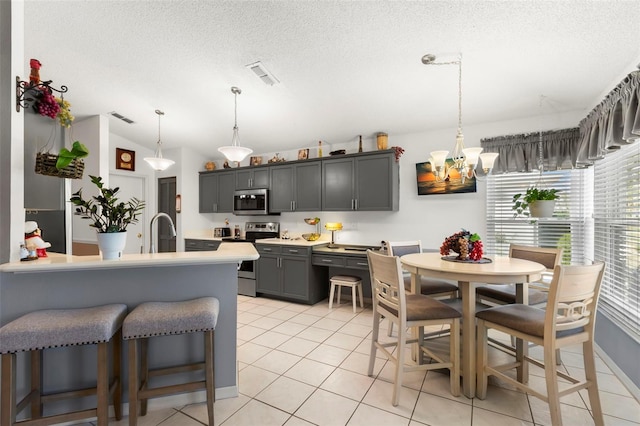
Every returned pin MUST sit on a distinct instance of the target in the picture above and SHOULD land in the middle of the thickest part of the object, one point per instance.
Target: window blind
(570, 227)
(617, 235)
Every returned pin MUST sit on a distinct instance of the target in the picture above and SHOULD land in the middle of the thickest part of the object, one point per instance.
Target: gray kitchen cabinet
(363, 182)
(286, 272)
(200, 245)
(296, 187)
(248, 178)
(216, 192)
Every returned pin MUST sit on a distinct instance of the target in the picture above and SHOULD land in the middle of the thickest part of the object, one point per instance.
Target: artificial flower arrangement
(466, 244)
(46, 104)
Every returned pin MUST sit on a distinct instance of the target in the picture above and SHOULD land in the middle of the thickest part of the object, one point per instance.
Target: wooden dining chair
(506, 294)
(409, 310)
(428, 286)
(569, 319)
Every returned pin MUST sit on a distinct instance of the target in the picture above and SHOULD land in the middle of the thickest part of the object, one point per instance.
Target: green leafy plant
(65, 157)
(107, 213)
(521, 201)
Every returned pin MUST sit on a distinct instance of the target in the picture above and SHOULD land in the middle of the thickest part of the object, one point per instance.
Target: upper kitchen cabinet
(296, 187)
(364, 182)
(216, 191)
(248, 178)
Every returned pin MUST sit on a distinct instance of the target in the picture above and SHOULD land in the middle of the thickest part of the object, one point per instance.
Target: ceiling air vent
(122, 117)
(263, 73)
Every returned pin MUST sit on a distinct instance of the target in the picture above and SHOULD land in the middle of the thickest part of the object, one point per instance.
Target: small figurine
(33, 240)
(226, 164)
(34, 77)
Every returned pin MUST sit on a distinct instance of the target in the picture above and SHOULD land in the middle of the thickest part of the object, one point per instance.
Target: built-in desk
(345, 260)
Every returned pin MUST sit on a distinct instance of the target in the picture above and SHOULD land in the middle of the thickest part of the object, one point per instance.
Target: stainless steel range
(247, 269)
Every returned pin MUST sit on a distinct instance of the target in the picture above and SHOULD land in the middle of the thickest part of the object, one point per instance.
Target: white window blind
(617, 235)
(570, 227)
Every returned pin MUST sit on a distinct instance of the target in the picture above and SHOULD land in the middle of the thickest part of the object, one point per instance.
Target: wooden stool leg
(8, 390)
(144, 372)
(339, 291)
(133, 382)
(209, 373)
(353, 298)
(103, 384)
(117, 374)
(36, 384)
(333, 288)
(361, 296)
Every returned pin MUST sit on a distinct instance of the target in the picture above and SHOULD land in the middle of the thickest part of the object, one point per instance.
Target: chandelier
(235, 152)
(157, 162)
(465, 160)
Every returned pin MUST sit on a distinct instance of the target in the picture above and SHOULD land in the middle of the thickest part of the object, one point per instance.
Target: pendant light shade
(157, 162)
(235, 152)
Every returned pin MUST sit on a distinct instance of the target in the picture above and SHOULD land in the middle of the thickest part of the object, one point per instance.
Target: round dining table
(496, 270)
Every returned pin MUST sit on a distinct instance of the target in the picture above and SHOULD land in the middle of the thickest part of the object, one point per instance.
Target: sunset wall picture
(427, 184)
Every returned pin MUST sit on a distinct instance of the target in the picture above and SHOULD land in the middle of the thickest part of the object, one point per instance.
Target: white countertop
(226, 253)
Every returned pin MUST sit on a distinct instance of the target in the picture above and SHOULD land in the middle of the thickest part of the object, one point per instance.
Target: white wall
(429, 218)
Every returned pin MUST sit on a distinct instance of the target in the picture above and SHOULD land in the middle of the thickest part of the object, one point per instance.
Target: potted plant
(535, 202)
(109, 216)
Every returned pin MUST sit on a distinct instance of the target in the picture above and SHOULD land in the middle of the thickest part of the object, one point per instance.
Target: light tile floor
(306, 365)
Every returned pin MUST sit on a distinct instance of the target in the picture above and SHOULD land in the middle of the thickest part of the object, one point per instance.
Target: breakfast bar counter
(64, 281)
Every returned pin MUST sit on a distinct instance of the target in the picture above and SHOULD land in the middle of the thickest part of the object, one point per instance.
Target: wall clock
(125, 159)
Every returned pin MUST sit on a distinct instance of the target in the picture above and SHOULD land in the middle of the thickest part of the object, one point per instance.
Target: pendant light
(157, 162)
(235, 152)
(465, 160)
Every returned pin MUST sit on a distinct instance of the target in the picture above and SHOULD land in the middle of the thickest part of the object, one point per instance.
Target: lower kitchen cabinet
(201, 245)
(286, 272)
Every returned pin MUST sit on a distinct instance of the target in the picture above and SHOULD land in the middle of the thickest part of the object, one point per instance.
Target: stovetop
(257, 231)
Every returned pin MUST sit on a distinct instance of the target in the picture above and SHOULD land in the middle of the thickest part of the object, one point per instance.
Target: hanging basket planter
(46, 165)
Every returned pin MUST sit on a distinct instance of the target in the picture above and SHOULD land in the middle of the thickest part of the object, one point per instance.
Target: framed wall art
(427, 183)
(125, 159)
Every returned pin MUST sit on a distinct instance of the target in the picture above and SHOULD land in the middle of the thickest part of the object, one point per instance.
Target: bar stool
(161, 319)
(40, 330)
(346, 281)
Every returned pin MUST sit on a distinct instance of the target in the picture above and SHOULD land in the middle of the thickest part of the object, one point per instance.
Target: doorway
(166, 204)
(132, 186)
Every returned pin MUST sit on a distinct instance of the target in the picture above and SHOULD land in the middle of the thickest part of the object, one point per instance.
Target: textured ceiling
(346, 68)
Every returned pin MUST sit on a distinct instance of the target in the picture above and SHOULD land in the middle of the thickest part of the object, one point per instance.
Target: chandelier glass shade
(158, 162)
(465, 160)
(235, 152)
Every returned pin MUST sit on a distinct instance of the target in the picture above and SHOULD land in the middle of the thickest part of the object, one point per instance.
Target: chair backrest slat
(400, 248)
(573, 295)
(387, 285)
(549, 257)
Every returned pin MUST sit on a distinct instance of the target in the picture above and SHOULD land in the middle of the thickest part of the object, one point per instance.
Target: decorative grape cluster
(398, 151)
(466, 244)
(48, 106)
(64, 116)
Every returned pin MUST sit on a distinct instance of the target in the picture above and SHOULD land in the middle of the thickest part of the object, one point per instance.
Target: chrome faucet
(152, 246)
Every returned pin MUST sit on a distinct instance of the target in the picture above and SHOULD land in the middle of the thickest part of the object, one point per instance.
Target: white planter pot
(112, 244)
(542, 208)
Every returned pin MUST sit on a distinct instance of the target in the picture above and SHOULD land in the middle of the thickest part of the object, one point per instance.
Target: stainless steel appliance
(251, 202)
(222, 232)
(253, 231)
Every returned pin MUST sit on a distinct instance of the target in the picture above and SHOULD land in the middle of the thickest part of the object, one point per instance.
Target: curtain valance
(615, 122)
(521, 153)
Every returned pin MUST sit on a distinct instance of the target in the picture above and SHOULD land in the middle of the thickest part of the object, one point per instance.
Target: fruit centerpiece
(466, 244)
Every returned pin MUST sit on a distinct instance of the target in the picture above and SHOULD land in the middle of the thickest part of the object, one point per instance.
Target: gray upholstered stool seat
(346, 281)
(40, 330)
(166, 318)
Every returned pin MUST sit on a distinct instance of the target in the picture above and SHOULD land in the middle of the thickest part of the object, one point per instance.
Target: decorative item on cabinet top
(39, 94)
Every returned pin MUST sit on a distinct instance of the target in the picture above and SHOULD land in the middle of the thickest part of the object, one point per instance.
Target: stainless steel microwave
(251, 202)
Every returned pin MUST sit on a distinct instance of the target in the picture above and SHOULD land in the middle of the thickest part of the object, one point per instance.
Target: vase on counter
(112, 244)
